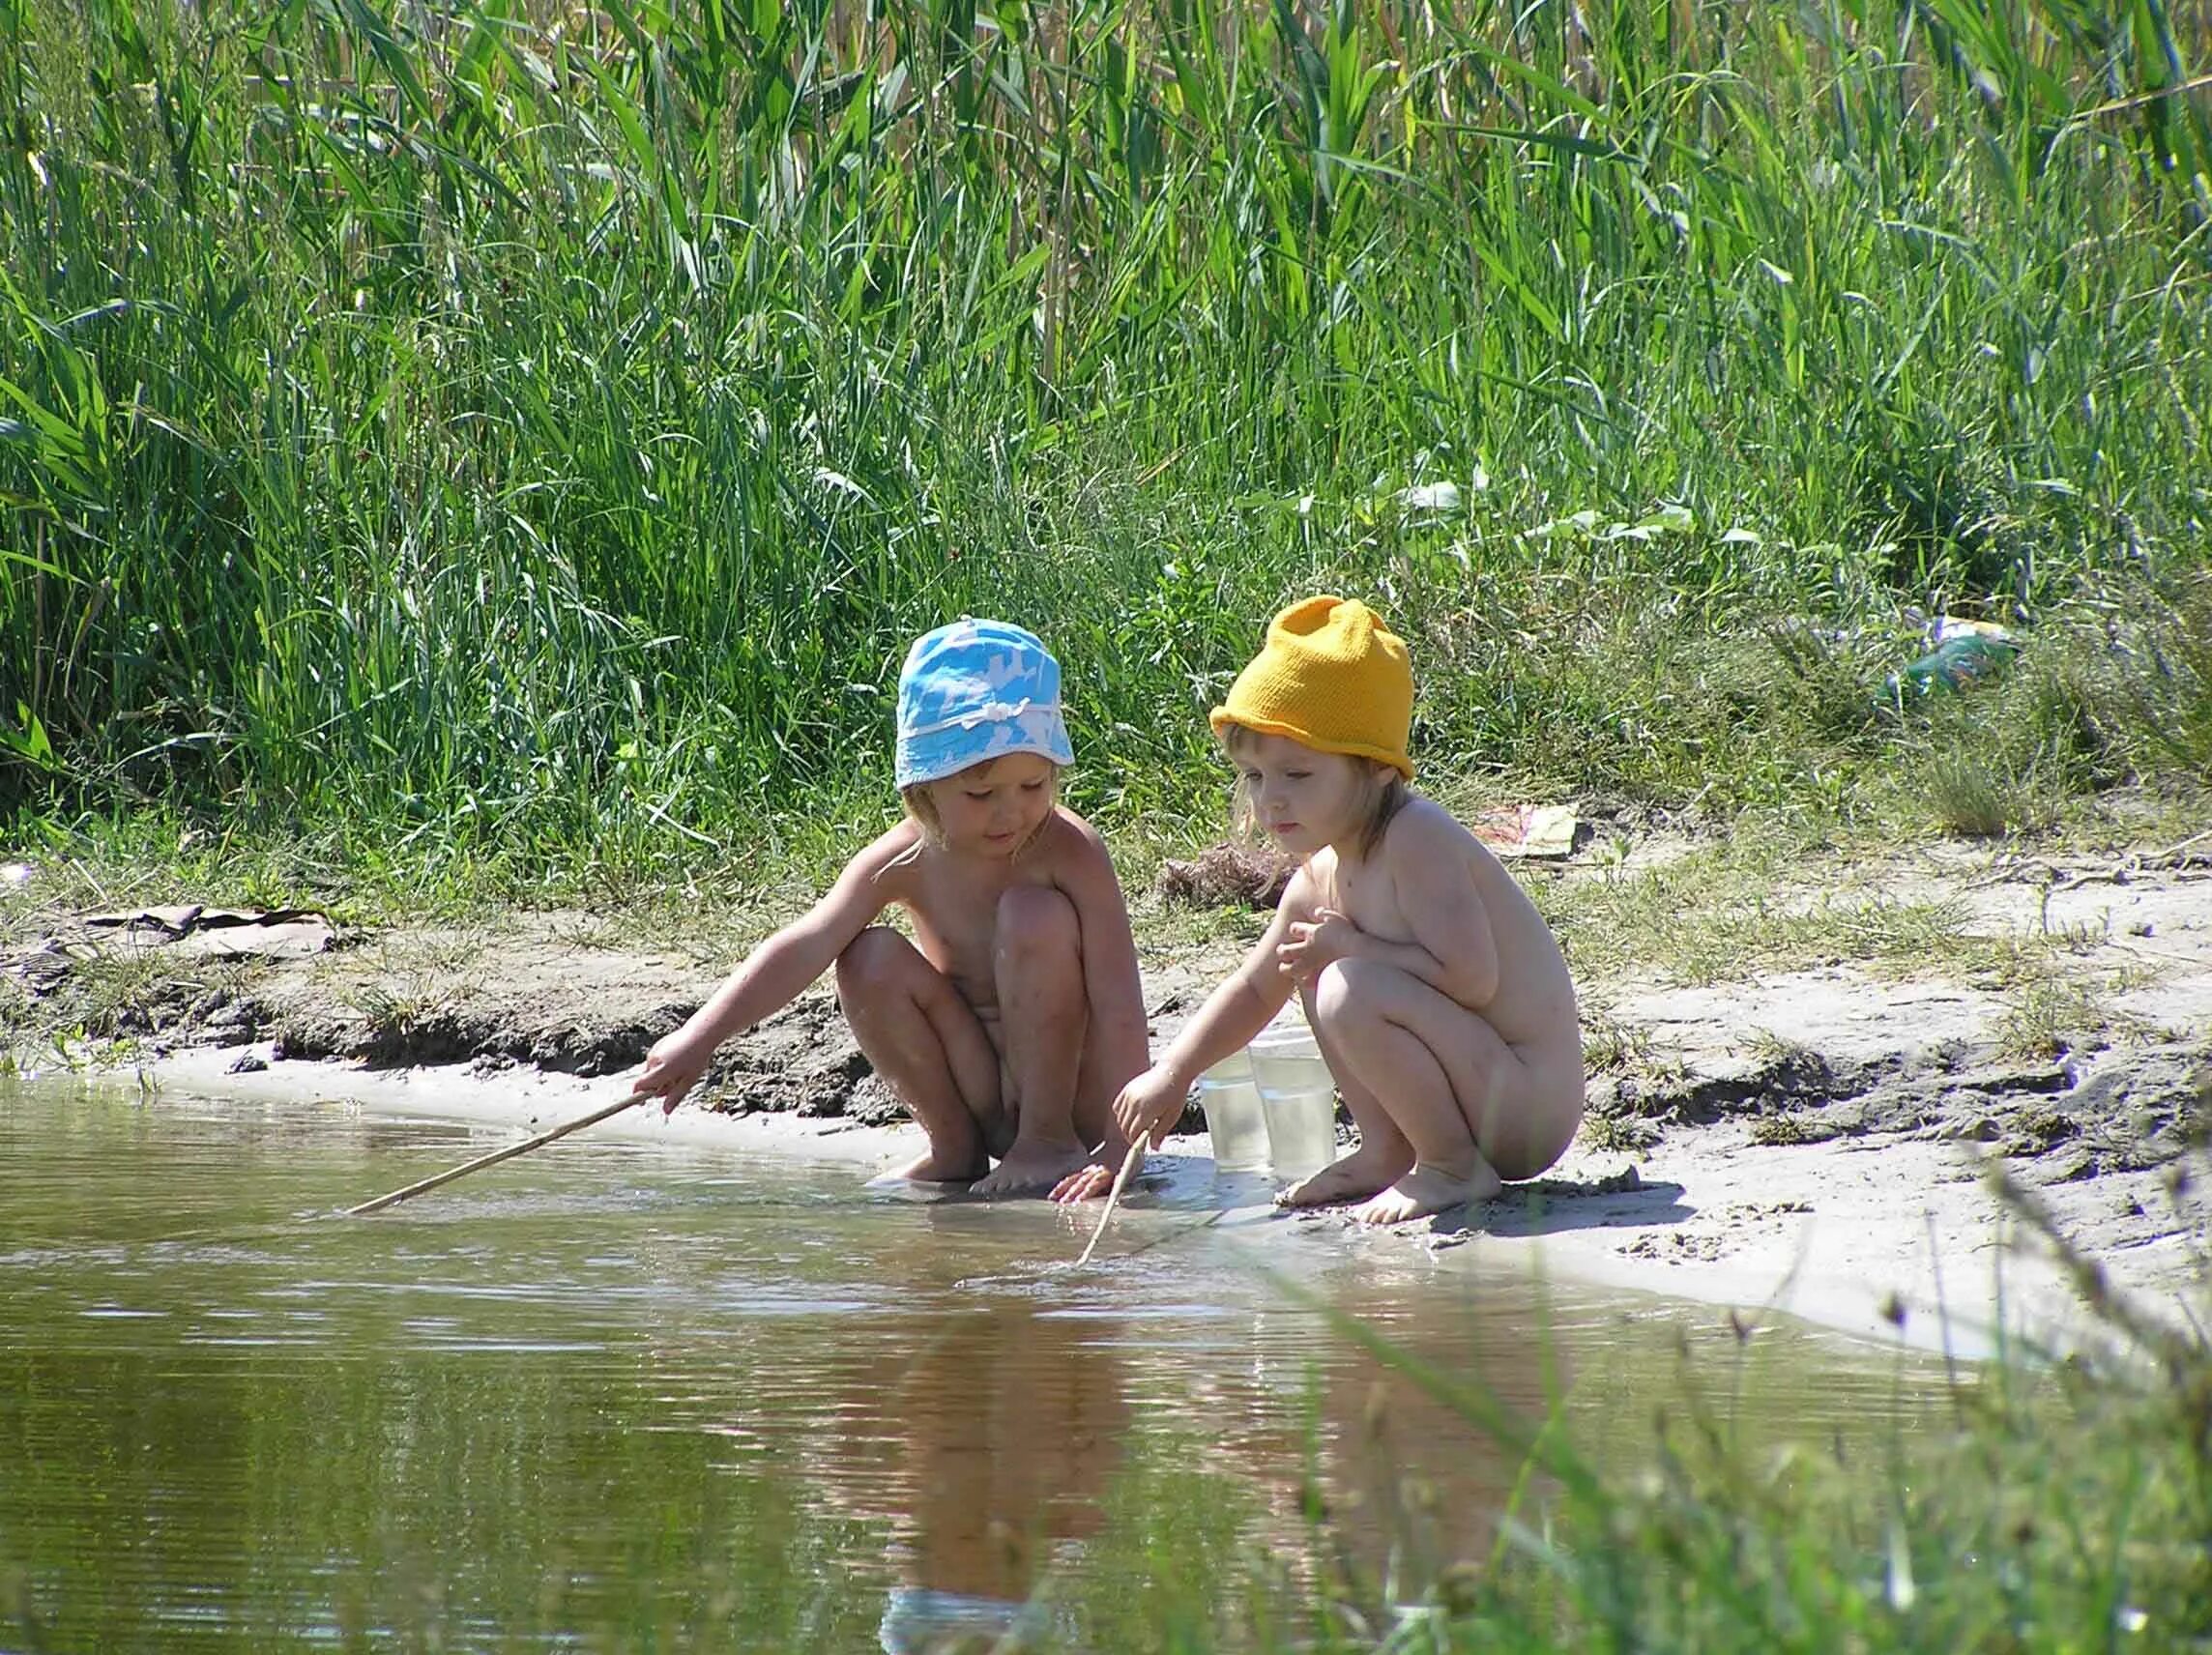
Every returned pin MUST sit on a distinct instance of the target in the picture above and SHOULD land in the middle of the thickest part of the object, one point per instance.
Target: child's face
(992, 809)
(1302, 797)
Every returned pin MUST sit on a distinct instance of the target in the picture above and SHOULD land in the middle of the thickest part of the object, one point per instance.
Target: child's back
(1532, 1004)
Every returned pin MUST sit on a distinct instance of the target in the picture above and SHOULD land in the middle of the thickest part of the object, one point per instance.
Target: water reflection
(612, 1399)
(1004, 1427)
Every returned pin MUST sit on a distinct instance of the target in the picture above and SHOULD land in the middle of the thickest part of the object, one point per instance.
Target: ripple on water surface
(611, 1384)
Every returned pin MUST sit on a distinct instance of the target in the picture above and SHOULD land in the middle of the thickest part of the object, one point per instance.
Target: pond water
(616, 1395)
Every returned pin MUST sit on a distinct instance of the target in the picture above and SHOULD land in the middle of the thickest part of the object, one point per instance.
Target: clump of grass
(2053, 1013)
(1771, 1049)
(1612, 1044)
(1969, 799)
(1618, 1134)
(1781, 1129)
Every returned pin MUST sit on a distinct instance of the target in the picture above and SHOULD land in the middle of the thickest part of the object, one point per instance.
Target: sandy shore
(1815, 1140)
(1851, 1234)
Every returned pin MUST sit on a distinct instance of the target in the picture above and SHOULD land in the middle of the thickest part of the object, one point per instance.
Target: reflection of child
(1437, 992)
(1012, 1418)
(1014, 1015)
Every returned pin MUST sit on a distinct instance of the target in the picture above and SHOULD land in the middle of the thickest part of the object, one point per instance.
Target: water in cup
(1297, 1097)
(1233, 1118)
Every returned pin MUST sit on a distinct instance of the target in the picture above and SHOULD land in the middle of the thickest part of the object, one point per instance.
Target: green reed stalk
(543, 428)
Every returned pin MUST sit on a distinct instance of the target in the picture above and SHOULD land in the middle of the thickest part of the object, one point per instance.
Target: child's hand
(1097, 1178)
(1146, 1107)
(1313, 943)
(1086, 1184)
(671, 1068)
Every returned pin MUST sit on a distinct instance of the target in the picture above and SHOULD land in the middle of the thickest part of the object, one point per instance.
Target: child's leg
(1457, 1092)
(1043, 1012)
(1099, 1081)
(1382, 1157)
(929, 1044)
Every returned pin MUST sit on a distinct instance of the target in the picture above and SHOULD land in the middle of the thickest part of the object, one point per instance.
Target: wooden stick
(1129, 1164)
(511, 1150)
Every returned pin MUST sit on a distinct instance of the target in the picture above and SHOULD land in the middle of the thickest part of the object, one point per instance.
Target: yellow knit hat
(1333, 677)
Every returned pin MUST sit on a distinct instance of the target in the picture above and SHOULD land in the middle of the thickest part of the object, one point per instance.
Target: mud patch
(2121, 1109)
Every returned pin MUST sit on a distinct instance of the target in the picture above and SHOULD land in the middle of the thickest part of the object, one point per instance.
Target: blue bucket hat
(973, 691)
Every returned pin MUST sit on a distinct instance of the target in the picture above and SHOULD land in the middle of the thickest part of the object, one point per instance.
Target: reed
(540, 428)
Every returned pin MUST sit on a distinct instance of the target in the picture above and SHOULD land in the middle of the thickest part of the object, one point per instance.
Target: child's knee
(1037, 926)
(1345, 991)
(874, 961)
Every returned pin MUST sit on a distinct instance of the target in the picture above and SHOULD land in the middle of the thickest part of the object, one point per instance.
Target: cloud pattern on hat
(974, 691)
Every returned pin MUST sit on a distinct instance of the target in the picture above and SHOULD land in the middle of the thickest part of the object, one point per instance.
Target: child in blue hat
(1013, 1017)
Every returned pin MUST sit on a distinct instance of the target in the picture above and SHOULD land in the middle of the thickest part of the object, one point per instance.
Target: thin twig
(496, 1155)
(2173, 850)
(2155, 953)
(1129, 1164)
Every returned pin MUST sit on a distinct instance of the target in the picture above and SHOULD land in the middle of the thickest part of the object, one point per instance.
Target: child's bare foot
(1032, 1166)
(934, 1168)
(1430, 1189)
(1353, 1178)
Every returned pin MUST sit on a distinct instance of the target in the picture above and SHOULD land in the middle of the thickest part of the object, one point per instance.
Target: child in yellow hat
(1437, 993)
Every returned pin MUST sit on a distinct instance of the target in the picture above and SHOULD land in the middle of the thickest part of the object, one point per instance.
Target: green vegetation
(527, 436)
(2061, 1507)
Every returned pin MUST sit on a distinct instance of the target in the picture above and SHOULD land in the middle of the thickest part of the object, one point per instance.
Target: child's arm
(1232, 1015)
(775, 973)
(1453, 948)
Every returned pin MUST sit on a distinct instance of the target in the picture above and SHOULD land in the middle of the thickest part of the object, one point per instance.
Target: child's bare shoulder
(1423, 830)
(1066, 840)
(890, 863)
(1302, 897)
(1427, 844)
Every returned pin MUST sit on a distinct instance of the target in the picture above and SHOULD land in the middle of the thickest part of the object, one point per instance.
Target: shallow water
(627, 1396)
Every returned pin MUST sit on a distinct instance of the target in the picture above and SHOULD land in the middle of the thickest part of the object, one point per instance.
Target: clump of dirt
(2121, 1109)
(1793, 1078)
(802, 1061)
(1227, 875)
(491, 1035)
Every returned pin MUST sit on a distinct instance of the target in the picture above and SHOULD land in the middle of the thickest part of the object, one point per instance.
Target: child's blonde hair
(1386, 792)
(919, 805)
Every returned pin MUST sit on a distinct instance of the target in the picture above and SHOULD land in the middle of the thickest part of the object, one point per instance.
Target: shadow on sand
(1545, 1206)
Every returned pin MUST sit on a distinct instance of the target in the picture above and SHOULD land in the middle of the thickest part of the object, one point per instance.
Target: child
(1013, 1017)
(1437, 992)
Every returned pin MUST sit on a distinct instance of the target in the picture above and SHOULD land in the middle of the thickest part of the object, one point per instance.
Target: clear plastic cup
(1297, 1095)
(1235, 1122)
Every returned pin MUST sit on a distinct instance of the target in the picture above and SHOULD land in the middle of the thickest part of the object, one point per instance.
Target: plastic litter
(1965, 653)
(1235, 1122)
(1539, 830)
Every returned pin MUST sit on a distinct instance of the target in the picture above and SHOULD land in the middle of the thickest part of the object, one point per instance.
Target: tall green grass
(540, 428)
